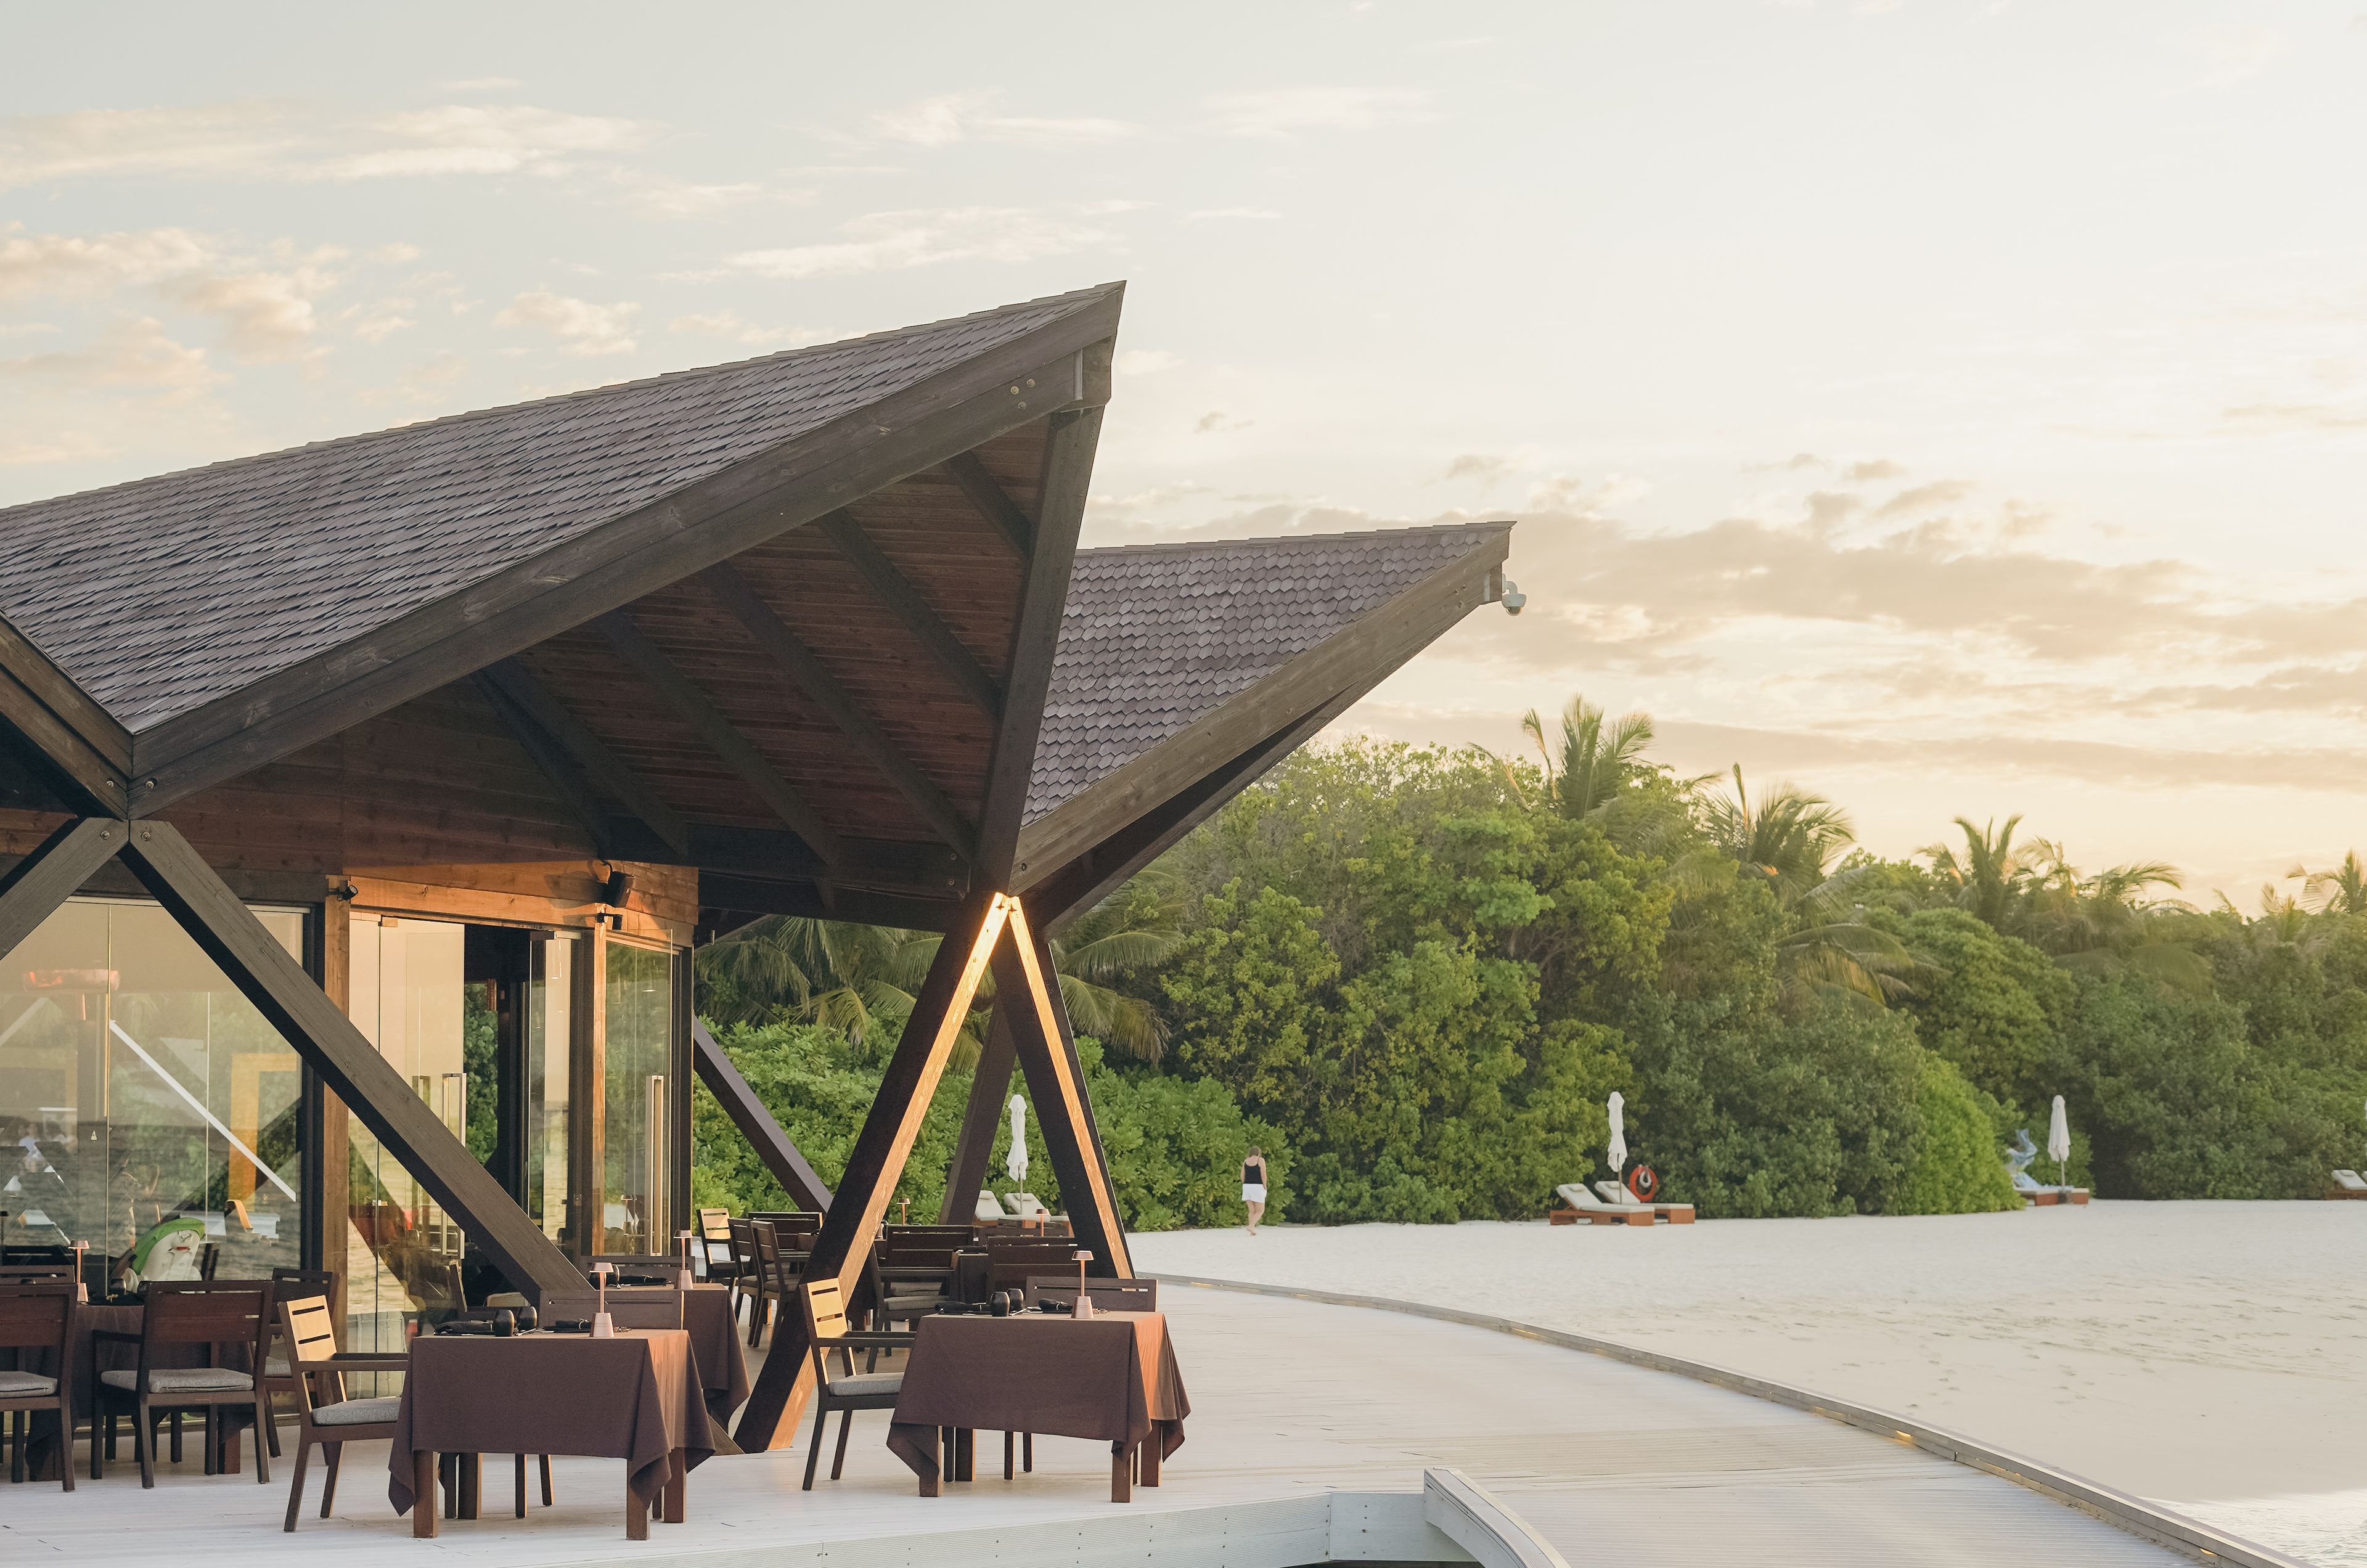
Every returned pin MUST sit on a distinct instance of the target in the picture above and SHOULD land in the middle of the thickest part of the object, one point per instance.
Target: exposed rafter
(847, 535)
(1068, 469)
(736, 750)
(787, 649)
(575, 738)
(548, 755)
(992, 504)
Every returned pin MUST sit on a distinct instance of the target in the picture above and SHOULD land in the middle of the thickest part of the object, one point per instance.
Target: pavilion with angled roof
(363, 803)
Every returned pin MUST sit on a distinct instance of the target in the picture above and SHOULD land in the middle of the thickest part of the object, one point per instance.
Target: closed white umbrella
(2059, 1139)
(1017, 1164)
(1618, 1153)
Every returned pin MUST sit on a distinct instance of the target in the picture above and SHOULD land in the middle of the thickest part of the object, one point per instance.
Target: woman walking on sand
(1254, 1185)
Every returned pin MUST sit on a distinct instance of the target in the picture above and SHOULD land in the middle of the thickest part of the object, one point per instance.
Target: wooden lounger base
(2054, 1195)
(1663, 1213)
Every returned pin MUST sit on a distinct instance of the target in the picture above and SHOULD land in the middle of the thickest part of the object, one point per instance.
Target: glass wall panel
(640, 1056)
(150, 1110)
(550, 1014)
(402, 1254)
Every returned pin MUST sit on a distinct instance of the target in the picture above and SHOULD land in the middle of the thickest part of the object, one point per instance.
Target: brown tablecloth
(635, 1397)
(1111, 1377)
(715, 1340)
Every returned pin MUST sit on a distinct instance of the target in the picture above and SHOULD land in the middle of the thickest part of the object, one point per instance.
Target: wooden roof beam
(797, 661)
(1034, 642)
(510, 678)
(847, 536)
(736, 750)
(549, 756)
(991, 503)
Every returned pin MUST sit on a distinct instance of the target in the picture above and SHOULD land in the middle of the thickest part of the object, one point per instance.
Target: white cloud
(580, 326)
(383, 319)
(461, 139)
(889, 241)
(72, 264)
(134, 354)
(1208, 212)
(266, 315)
(672, 199)
(17, 449)
(1146, 362)
(729, 326)
(255, 139)
(1289, 111)
(952, 118)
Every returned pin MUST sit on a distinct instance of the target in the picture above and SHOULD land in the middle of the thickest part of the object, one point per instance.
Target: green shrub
(1959, 1167)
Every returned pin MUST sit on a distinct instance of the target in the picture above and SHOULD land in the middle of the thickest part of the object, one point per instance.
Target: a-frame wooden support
(764, 1135)
(228, 932)
(786, 1380)
(981, 1119)
(1055, 1085)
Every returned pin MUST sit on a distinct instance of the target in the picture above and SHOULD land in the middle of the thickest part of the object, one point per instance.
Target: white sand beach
(2212, 1356)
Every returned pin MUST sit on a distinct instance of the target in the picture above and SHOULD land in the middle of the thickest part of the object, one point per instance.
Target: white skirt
(1252, 1191)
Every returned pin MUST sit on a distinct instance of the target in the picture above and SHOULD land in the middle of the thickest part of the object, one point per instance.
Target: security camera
(1512, 598)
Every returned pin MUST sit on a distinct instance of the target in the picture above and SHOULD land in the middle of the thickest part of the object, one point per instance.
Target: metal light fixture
(1512, 598)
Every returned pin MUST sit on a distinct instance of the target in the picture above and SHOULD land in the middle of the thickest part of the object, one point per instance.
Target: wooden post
(588, 1094)
(330, 1173)
(288, 999)
(877, 1159)
(981, 1119)
(1039, 1026)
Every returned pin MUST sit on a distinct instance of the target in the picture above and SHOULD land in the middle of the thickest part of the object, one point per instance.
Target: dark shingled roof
(160, 595)
(1156, 635)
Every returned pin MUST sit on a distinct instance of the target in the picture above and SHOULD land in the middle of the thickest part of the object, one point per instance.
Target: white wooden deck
(1292, 1401)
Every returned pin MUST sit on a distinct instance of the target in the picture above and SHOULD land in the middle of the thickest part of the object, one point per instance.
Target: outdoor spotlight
(1512, 598)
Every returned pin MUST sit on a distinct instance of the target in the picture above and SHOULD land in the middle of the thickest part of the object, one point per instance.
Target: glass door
(638, 1100)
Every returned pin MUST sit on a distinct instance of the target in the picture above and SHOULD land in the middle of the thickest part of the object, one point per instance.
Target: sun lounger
(2348, 1184)
(1600, 1211)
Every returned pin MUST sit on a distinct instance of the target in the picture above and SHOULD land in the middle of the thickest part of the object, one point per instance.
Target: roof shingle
(164, 594)
(1156, 635)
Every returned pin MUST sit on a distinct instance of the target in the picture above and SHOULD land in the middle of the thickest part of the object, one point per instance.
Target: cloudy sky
(1957, 409)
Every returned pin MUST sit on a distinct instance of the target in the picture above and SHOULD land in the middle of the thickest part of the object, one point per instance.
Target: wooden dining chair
(270, 1350)
(824, 1305)
(185, 1314)
(745, 1278)
(37, 1314)
(307, 1329)
(714, 1246)
(1108, 1295)
(633, 1307)
(769, 1276)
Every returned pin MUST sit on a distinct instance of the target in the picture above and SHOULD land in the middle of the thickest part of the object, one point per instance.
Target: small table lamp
(81, 1280)
(689, 1277)
(1085, 1302)
(603, 1325)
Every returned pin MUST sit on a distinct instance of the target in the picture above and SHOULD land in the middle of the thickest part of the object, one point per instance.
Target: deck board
(1291, 1399)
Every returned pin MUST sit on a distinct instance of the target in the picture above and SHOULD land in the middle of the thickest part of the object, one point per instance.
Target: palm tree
(1788, 837)
(846, 978)
(1992, 875)
(2342, 890)
(1598, 758)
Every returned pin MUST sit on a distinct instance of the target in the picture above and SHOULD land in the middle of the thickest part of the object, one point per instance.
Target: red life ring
(1644, 1182)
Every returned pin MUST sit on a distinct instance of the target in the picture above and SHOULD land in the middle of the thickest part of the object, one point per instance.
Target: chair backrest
(715, 1224)
(826, 1308)
(790, 1224)
(202, 1312)
(920, 1255)
(36, 1252)
(20, 1273)
(925, 1235)
(309, 1326)
(38, 1313)
(1108, 1295)
(743, 1241)
(1006, 1248)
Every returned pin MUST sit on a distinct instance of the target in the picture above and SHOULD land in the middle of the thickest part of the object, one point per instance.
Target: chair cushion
(876, 1383)
(275, 1365)
(180, 1380)
(18, 1385)
(358, 1412)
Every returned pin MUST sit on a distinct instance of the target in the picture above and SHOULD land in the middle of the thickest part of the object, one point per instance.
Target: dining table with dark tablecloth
(1111, 1377)
(714, 1331)
(636, 1397)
